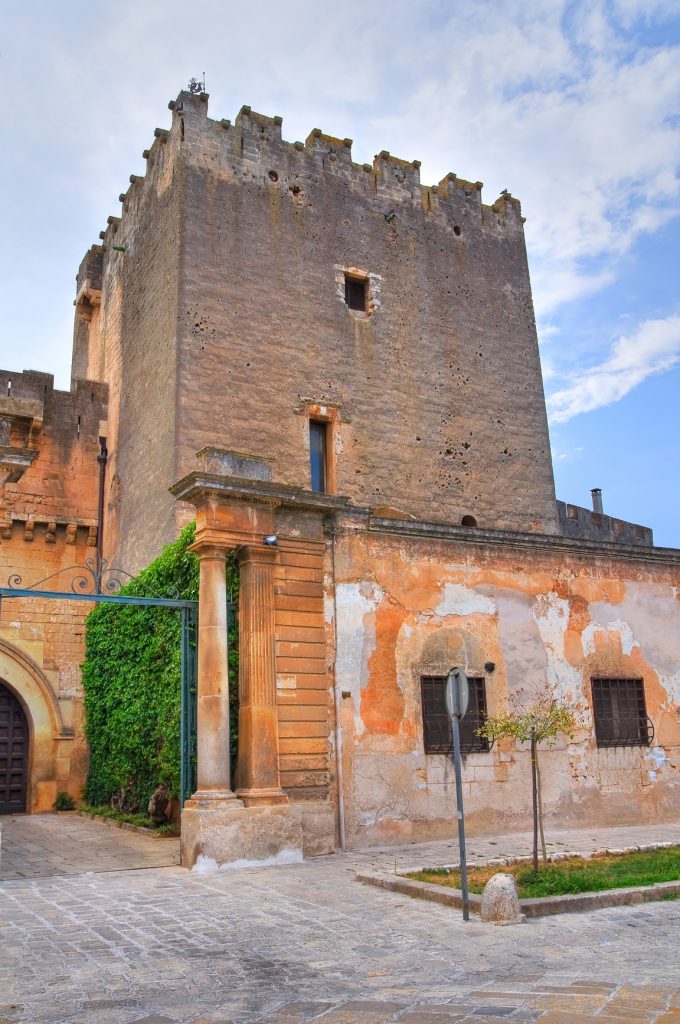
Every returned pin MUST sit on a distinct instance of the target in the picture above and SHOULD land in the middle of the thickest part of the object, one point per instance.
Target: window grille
(620, 714)
(437, 729)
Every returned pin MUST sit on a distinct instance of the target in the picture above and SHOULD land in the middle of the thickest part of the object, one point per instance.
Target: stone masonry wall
(48, 524)
(410, 603)
(223, 322)
(436, 393)
(303, 684)
(129, 341)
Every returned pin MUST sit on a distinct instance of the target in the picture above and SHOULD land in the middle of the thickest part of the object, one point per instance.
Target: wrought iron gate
(89, 582)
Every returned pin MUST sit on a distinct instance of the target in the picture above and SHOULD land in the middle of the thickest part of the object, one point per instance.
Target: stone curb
(553, 858)
(421, 890)
(540, 907)
(127, 826)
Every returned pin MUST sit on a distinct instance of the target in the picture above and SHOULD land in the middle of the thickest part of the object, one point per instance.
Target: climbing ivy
(131, 678)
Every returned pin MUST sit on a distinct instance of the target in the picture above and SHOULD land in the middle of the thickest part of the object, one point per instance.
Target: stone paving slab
(42, 845)
(482, 848)
(308, 943)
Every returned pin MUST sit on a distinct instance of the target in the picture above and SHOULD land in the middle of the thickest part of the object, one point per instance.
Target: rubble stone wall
(49, 527)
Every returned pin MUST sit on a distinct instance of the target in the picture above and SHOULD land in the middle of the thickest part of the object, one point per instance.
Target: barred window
(620, 713)
(437, 729)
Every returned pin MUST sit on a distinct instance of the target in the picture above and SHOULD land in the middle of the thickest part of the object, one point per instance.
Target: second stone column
(258, 734)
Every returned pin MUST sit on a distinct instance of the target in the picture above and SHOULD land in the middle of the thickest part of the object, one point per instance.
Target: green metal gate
(90, 581)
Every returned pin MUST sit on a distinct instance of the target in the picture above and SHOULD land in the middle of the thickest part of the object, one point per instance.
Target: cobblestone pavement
(308, 943)
(40, 845)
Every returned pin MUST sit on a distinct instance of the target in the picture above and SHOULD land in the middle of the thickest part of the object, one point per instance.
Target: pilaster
(258, 781)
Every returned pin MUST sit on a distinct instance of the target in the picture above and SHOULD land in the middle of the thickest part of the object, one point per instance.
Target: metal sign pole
(461, 819)
(457, 697)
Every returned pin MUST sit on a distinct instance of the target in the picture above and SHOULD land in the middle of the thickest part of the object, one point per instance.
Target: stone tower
(251, 285)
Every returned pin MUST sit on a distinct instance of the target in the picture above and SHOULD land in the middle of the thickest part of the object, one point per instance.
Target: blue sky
(574, 107)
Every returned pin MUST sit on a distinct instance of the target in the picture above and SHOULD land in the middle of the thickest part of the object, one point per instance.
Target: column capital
(257, 553)
(209, 548)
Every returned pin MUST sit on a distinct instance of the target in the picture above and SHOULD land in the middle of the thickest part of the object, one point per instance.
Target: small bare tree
(540, 720)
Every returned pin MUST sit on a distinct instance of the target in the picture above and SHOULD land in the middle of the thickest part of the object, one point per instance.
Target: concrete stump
(500, 904)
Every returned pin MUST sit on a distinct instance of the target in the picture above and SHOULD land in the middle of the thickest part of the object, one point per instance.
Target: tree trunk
(534, 800)
(540, 808)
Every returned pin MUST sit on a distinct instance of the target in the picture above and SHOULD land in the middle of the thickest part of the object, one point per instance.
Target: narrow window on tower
(318, 454)
(356, 293)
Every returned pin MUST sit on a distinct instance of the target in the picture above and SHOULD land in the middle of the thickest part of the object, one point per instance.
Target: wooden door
(13, 753)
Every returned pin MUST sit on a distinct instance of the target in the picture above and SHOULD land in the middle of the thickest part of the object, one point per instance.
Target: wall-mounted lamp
(271, 540)
(490, 666)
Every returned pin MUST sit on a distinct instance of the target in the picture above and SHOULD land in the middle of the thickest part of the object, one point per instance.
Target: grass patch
(574, 875)
(142, 820)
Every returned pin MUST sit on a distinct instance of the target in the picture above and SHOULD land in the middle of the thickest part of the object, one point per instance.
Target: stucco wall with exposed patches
(543, 614)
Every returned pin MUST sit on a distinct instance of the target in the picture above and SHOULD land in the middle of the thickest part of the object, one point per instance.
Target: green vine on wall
(131, 679)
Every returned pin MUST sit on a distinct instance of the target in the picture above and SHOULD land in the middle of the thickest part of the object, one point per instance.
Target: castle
(284, 344)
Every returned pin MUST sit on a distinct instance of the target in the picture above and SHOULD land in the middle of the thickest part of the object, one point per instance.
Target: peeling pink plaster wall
(408, 607)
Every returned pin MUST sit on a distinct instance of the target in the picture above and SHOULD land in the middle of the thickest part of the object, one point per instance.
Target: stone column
(213, 678)
(258, 742)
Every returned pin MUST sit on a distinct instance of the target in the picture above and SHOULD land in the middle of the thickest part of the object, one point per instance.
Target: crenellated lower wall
(48, 532)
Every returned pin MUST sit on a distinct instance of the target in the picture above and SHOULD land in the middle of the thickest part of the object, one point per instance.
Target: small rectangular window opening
(620, 714)
(318, 454)
(356, 293)
(438, 733)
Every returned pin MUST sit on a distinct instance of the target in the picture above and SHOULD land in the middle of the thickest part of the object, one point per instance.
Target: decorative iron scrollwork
(94, 577)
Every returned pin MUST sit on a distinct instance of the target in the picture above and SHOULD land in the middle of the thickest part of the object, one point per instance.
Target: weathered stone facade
(518, 611)
(217, 313)
(48, 524)
(222, 321)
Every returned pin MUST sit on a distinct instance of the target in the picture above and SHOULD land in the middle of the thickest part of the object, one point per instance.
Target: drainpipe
(101, 460)
(597, 500)
(336, 695)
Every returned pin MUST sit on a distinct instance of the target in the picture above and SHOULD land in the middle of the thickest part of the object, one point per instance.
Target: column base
(262, 797)
(220, 835)
(213, 798)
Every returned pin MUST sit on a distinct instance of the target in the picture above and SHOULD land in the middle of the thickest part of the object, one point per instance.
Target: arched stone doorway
(48, 741)
(14, 740)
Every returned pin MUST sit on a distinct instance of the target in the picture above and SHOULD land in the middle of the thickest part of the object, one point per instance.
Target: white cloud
(631, 10)
(556, 100)
(653, 348)
(553, 102)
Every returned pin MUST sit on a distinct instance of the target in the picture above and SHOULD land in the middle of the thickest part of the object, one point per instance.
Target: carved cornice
(509, 539)
(198, 488)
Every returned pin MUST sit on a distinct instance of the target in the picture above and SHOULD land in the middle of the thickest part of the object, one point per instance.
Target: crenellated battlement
(244, 271)
(253, 144)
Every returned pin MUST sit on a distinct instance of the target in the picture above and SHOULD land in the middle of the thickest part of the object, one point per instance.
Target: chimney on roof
(597, 499)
